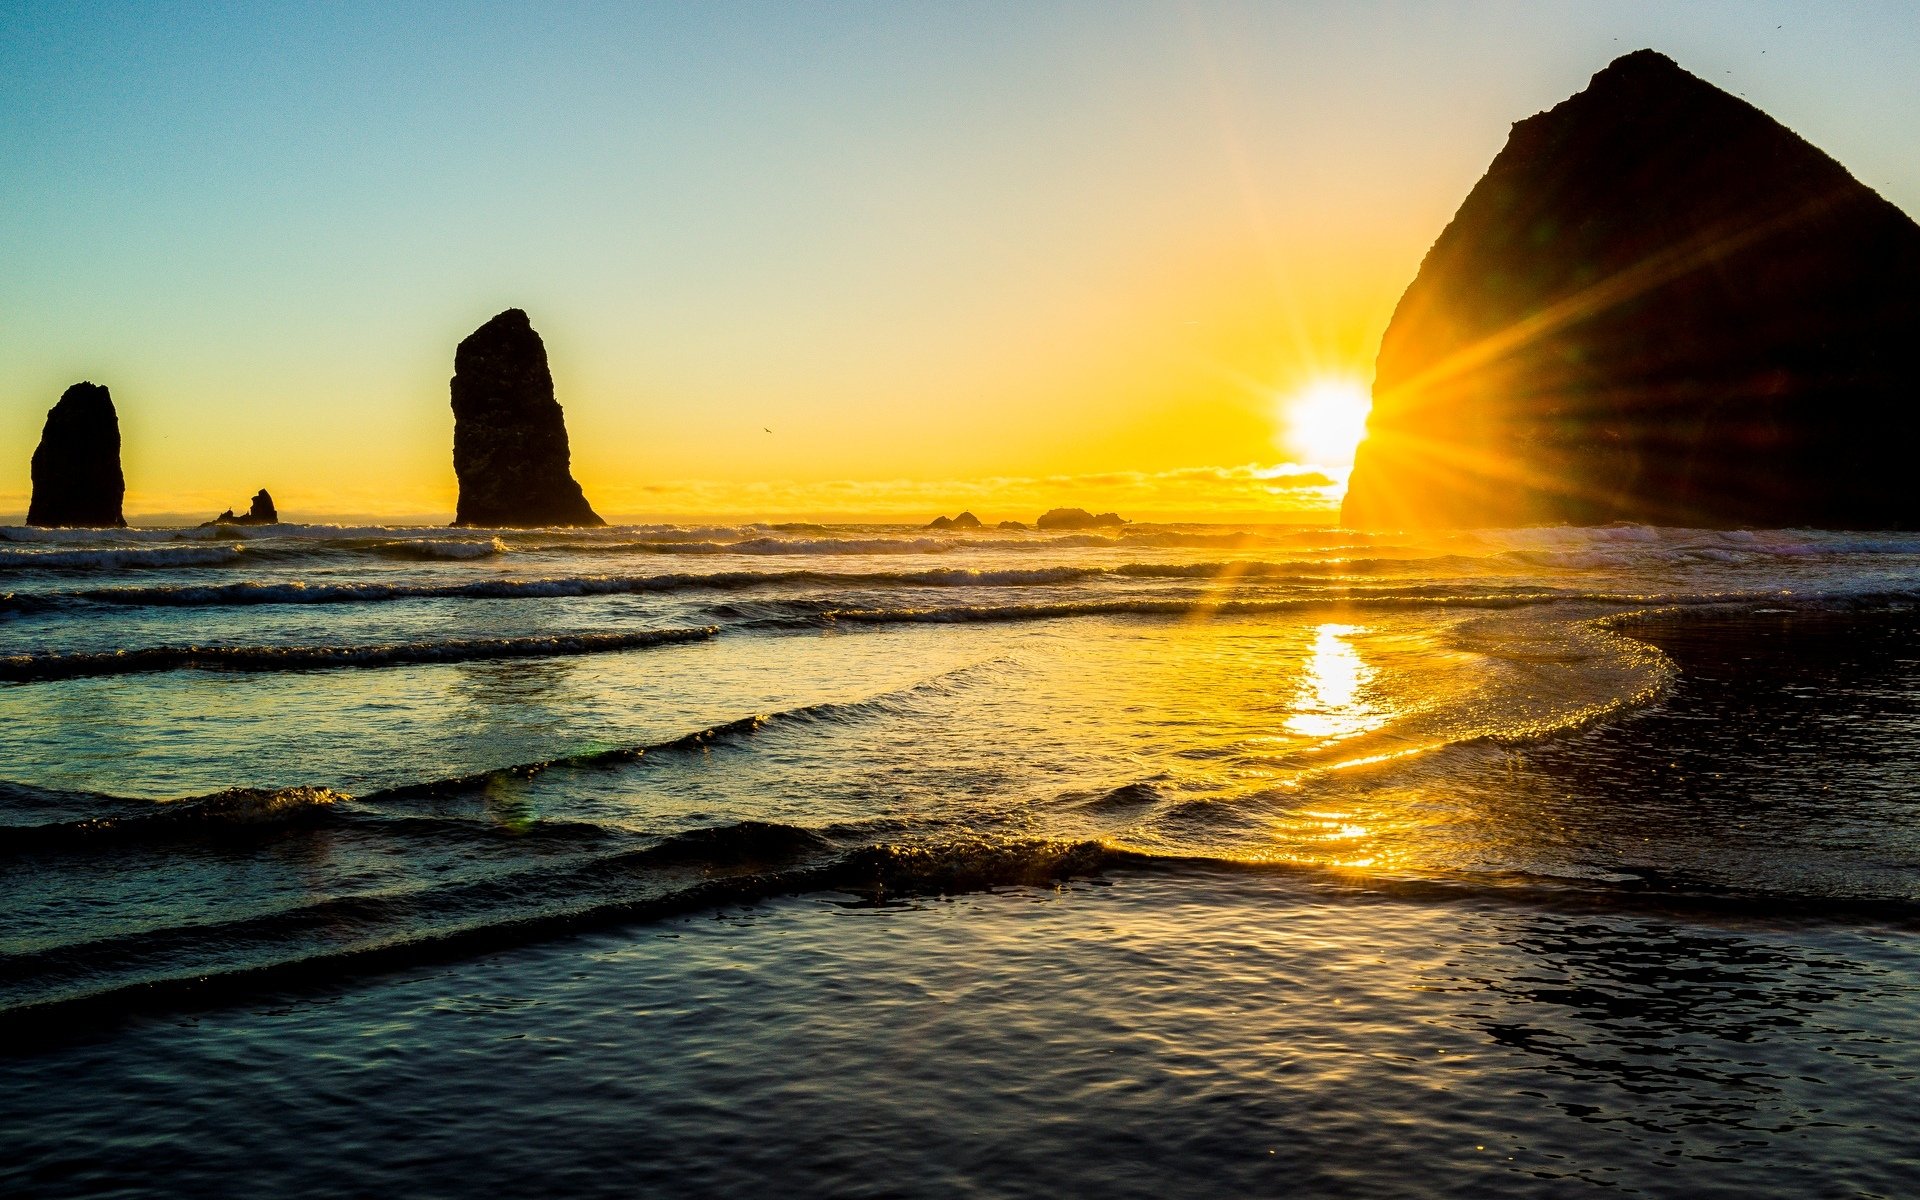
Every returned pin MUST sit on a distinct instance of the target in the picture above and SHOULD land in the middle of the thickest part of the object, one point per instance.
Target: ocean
(1172, 860)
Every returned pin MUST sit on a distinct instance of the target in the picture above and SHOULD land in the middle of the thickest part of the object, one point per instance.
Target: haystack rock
(509, 436)
(261, 513)
(76, 468)
(1659, 305)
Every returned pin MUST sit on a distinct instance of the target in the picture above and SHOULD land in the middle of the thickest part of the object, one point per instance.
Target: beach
(1171, 860)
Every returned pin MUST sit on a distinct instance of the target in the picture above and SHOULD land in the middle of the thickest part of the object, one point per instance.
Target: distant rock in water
(76, 468)
(1012, 525)
(1659, 305)
(1078, 518)
(965, 520)
(509, 436)
(262, 513)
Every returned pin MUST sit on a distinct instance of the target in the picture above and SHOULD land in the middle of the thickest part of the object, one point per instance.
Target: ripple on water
(1188, 1035)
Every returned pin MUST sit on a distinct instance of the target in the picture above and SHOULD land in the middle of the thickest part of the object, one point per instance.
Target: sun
(1324, 421)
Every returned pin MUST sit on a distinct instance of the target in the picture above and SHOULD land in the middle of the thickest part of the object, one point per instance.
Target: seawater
(1275, 859)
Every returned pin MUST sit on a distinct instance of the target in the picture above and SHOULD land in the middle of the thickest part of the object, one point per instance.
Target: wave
(290, 540)
(697, 742)
(21, 603)
(124, 818)
(962, 614)
(251, 592)
(814, 612)
(456, 549)
(318, 943)
(46, 666)
(810, 546)
(119, 558)
(300, 592)
(740, 863)
(235, 810)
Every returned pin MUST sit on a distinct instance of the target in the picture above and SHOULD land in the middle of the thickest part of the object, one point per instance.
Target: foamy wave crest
(235, 810)
(299, 592)
(118, 558)
(821, 546)
(802, 614)
(46, 666)
(962, 614)
(442, 548)
(92, 537)
(738, 863)
(18, 603)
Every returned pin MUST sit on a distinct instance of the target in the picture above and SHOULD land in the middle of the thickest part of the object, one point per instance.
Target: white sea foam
(36, 559)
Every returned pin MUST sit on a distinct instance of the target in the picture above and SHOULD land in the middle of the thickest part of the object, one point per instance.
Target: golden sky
(983, 256)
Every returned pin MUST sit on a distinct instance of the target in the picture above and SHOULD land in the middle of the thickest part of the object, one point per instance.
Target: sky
(801, 261)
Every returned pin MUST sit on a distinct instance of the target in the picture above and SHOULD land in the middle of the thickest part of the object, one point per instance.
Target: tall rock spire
(76, 467)
(1658, 305)
(509, 435)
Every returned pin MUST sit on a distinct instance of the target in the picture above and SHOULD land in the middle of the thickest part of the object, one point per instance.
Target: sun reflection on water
(1332, 702)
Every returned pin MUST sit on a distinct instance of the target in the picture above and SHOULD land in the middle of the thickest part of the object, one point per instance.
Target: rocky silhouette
(965, 520)
(261, 513)
(1658, 305)
(1078, 518)
(76, 467)
(1012, 525)
(509, 436)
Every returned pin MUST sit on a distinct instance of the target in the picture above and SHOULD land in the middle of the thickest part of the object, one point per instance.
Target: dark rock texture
(509, 436)
(1658, 305)
(262, 513)
(1078, 518)
(965, 520)
(76, 467)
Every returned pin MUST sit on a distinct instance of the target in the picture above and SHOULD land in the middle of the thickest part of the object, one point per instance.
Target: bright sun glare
(1325, 421)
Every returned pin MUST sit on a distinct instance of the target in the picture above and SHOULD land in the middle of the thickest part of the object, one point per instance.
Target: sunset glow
(1323, 422)
(1183, 599)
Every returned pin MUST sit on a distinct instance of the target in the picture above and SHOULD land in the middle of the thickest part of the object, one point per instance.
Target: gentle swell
(963, 614)
(298, 592)
(47, 666)
(80, 984)
(800, 614)
(252, 593)
(739, 863)
(697, 742)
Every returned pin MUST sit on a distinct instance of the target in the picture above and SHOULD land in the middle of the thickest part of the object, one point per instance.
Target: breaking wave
(255, 592)
(453, 549)
(235, 810)
(120, 558)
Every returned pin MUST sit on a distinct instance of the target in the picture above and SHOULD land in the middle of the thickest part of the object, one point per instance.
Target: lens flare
(1323, 422)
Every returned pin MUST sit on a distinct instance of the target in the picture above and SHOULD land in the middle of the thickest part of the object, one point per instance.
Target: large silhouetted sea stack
(76, 467)
(509, 436)
(1658, 305)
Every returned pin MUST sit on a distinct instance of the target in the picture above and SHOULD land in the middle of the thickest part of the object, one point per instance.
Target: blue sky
(926, 244)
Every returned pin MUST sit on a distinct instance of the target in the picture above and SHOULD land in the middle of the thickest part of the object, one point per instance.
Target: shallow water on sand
(1190, 1035)
(1622, 820)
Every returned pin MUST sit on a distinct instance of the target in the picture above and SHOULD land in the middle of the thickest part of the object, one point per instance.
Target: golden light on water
(1331, 702)
(1323, 422)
